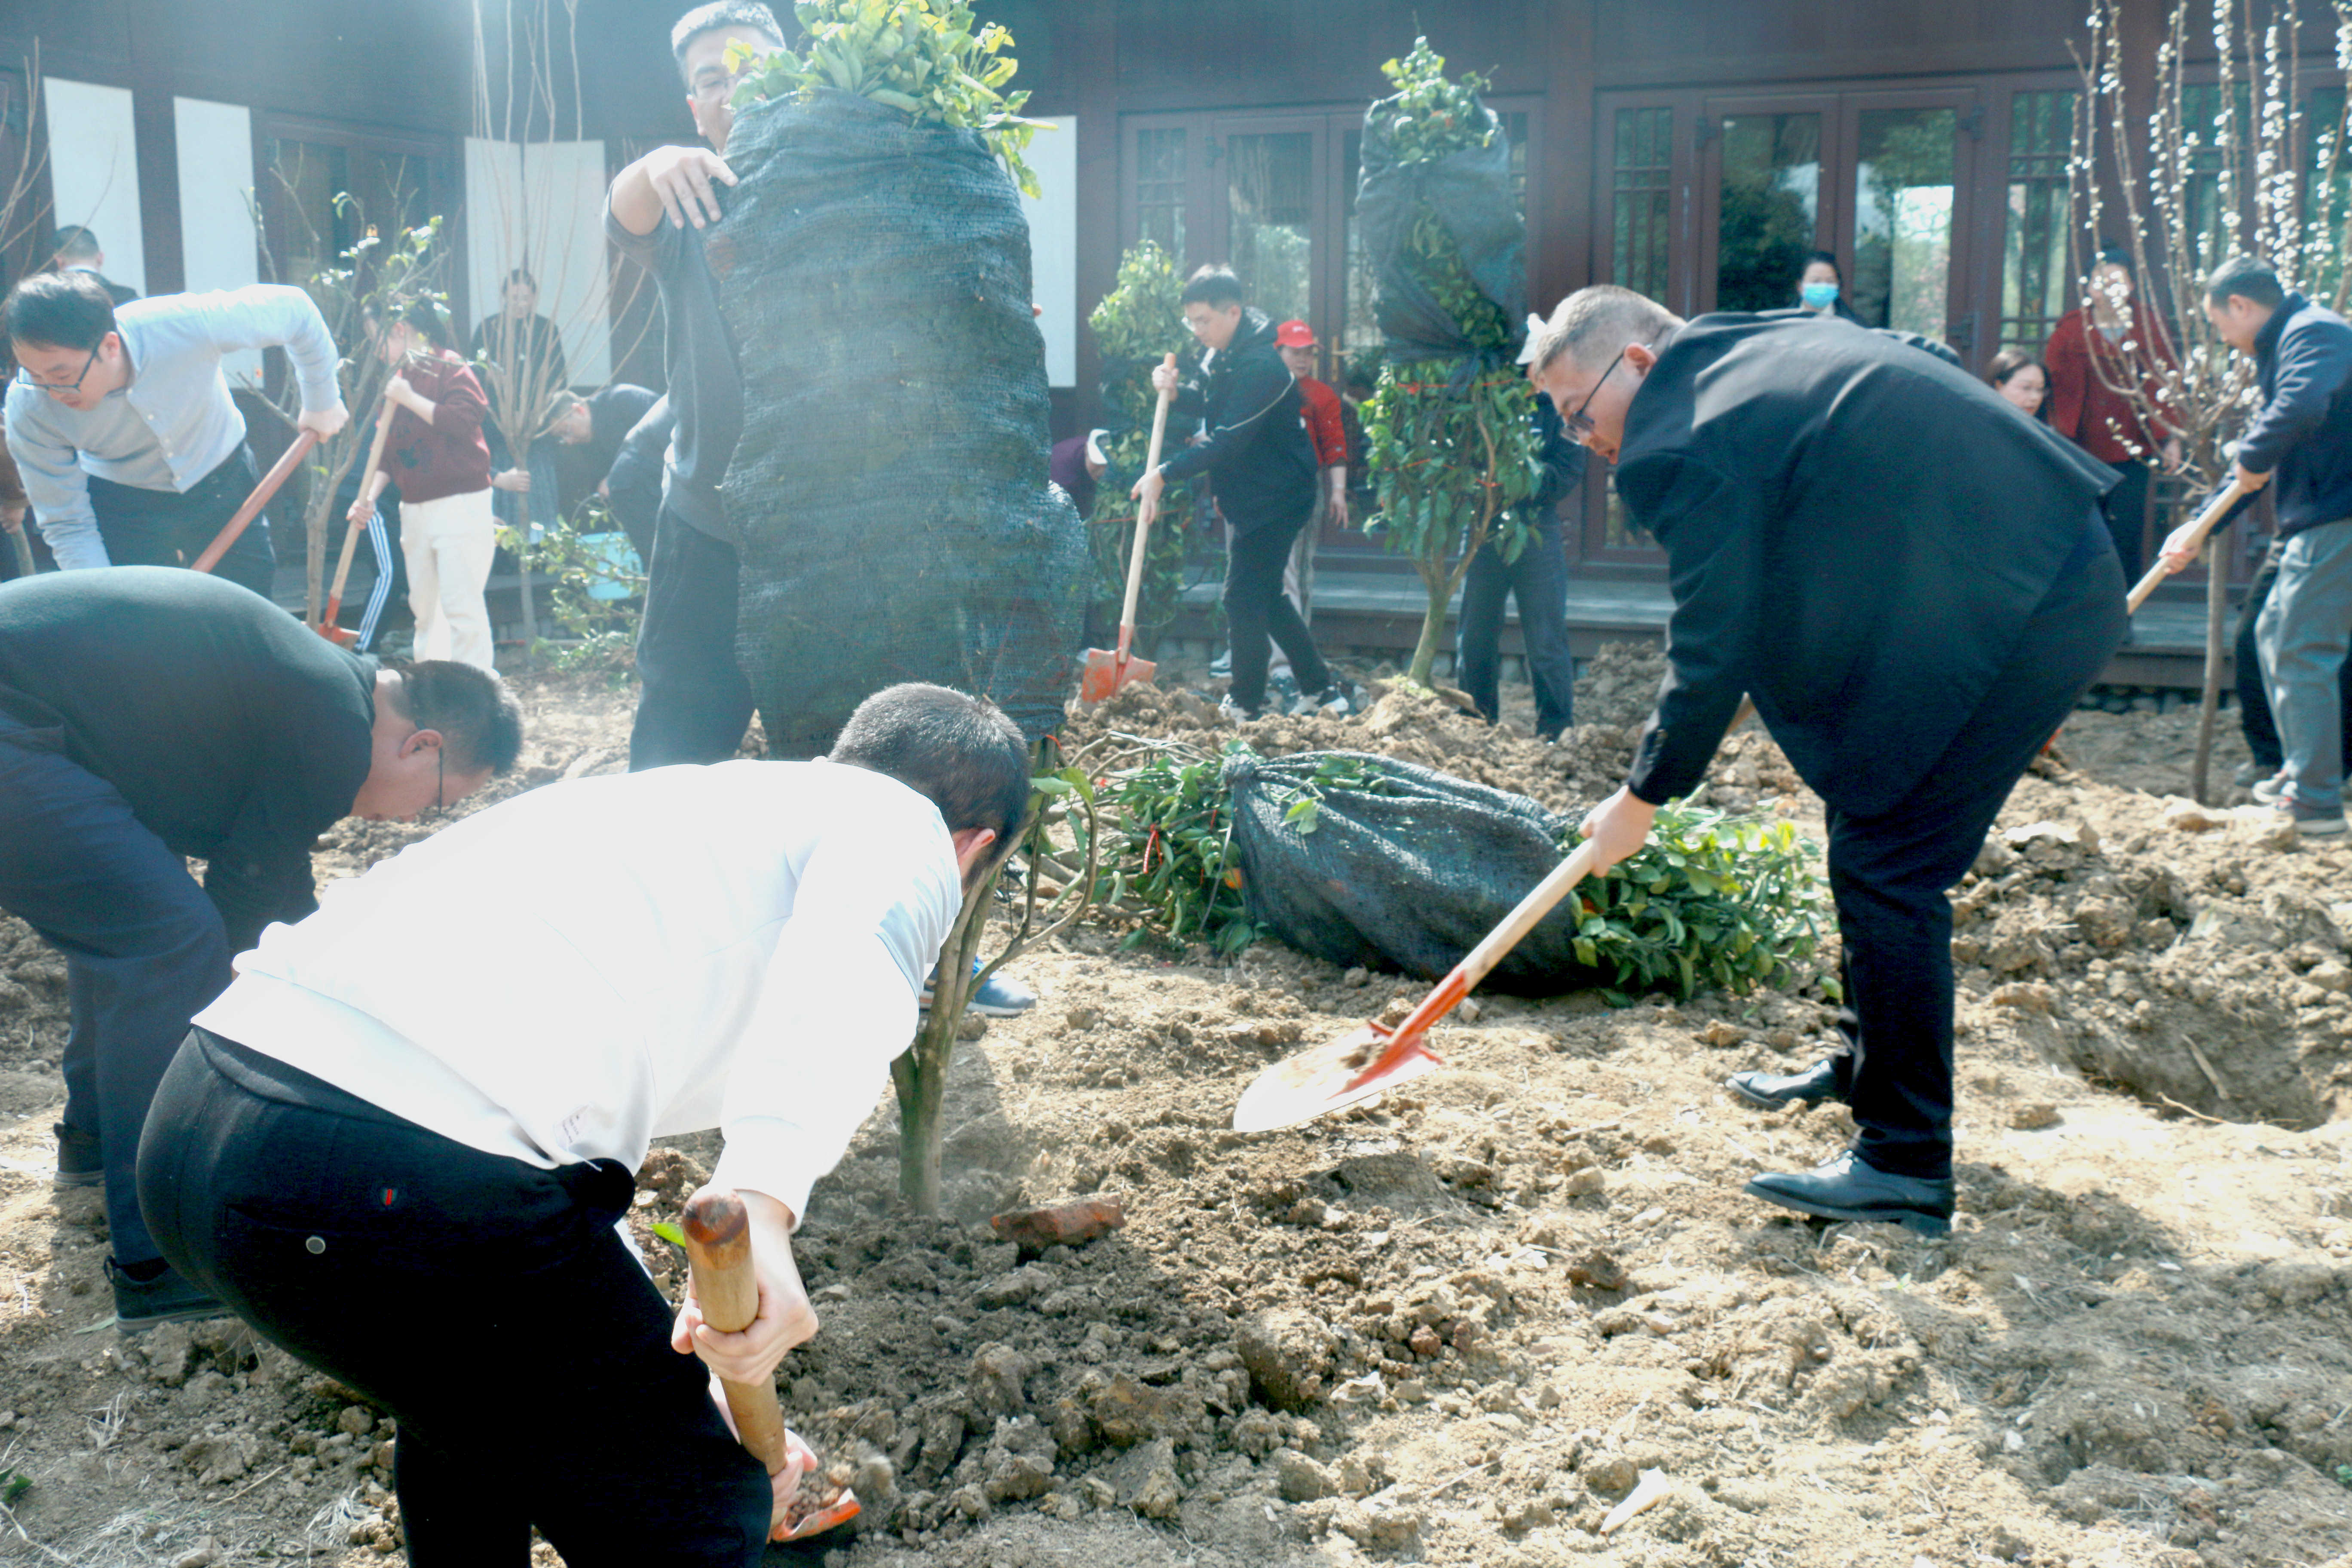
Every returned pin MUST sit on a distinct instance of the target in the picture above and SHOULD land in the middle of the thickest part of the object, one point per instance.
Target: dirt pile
(1461, 1324)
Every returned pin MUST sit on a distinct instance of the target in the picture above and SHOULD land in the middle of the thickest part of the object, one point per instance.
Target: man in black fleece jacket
(1262, 467)
(2303, 436)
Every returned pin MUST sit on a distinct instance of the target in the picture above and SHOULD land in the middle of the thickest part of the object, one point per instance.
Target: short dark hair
(520, 275)
(2009, 362)
(480, 725)
(1826, 257)
(2250, 277)
(425, 315)
(2116, 256)
(958, 751)
(74, 243)
(1215, 285)
(721, 14)
(59, 310)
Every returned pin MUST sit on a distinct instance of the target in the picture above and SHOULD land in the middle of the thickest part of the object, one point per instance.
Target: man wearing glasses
(1913, 585)
(150, 715)
(132, 450)
(695, 701)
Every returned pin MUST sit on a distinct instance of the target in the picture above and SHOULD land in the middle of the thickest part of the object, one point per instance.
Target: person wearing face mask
(2022, 381)
(2108, 362)
(1912, 619)
(1821, 288)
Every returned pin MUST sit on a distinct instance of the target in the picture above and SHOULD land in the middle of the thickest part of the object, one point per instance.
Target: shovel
(718, 1253)
(2207, 520)
(253, 502)
(1374, 1059)
(1107, 672)
(327, 627)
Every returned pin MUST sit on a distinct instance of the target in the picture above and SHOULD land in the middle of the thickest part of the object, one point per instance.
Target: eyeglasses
(1580, 426)
(58, 388)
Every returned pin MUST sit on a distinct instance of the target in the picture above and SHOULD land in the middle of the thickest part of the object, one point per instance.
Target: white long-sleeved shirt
(175, 421)
(588, 966)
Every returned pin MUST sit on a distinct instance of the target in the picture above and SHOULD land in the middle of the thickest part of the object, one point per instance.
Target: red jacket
(1324, 427)
(2087, 409)
(448, 456)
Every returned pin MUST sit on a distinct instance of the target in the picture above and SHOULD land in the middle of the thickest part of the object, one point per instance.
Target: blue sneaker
(1001, 996)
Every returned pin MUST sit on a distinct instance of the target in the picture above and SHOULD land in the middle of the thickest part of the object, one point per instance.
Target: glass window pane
(1771, 208)
(2035, 285)
(1269, 187)
(1159, 158)
(1642, 206)
(1357, 329)
(1903, 218)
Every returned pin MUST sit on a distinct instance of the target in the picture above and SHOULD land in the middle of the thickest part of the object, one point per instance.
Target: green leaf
(669, 1233)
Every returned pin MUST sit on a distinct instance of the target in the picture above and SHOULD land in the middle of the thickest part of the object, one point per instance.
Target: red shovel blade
(1331, 1076)
(841, 1511)
(1106, 672)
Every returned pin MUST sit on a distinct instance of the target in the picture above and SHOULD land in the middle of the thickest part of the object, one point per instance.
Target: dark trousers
(144, 947)
(1538, 581)
(1890, 872)
(2125, 508)
(1256, 608)
(487, 1303)
(2255, 716)
(694, 702)
(170, 528)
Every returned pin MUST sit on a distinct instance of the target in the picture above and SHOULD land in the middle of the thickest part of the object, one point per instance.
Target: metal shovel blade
(841, 1511)
(1327, 1078)
(1106, 673)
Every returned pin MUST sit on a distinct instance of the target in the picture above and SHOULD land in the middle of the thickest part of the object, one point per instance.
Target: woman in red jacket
(437, 456)
(2096, 356)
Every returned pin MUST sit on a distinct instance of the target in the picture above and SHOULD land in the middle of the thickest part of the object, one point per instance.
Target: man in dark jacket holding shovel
(1262, 467)
(148, 715)
(1912, 617)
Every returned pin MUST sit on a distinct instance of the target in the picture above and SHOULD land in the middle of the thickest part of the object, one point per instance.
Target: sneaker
(1000, 996)
(1332, 703)
(168, 1298)
(79, 1164)
(2268, 790)
(1233, 712)
(2310, 821)
(1282, 693)
(1223, 665)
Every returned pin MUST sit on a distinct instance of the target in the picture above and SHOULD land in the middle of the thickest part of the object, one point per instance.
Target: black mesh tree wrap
(1405, 877)
(888, 491)
(1470, 192)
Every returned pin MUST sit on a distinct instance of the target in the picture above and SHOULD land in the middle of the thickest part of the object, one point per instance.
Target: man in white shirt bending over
(132, 450)
(398, 1142)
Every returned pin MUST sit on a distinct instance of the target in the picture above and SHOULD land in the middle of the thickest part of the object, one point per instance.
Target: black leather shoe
(1770, 1091)
(78, 1164)
(168, 1298)
(1849, 1187)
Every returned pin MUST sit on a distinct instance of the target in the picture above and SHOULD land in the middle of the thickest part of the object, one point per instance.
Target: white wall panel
(218, 246)
(94, 171)
(541, 206)
(1053, 244)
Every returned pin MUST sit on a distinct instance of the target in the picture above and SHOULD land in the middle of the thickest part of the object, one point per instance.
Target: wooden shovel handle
(719, 1258)
(1143, 530)
(2207, 520)
(255, 502)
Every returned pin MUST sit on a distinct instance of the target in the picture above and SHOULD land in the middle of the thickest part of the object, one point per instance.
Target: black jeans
(2255, 716)
(1255, 608)
(1889, 874)
(694, 702)
(487, 1303)
(2125, 508)
(144, 948)
(1538, 581)
(170, 528)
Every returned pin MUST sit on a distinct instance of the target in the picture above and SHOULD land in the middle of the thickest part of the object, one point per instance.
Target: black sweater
(236, 734)
(1257, 457)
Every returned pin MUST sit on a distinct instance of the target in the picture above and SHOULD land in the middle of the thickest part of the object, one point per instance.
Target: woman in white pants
(437, 456)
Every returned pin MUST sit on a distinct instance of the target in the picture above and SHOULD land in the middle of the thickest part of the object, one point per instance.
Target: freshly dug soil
(1459, 1324)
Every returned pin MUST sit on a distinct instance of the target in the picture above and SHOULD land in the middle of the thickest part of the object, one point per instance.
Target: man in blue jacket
(2303, 438)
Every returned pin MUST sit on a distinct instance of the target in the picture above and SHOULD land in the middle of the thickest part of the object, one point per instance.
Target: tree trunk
(1440, 584)
(2217, 601)
(523, 564)
(315, 556)
(921, 1073)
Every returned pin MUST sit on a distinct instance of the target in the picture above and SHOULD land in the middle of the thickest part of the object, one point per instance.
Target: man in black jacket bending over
(147, 714)
(1262, 466)
(1914, 584)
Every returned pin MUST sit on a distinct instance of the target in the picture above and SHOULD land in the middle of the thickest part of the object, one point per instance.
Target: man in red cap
(1319, 406)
